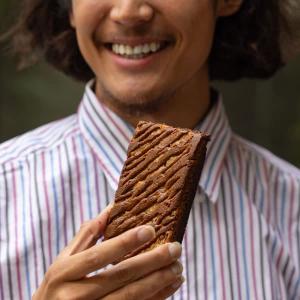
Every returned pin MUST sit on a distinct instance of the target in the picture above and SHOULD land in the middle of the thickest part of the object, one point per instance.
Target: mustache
(137, 32)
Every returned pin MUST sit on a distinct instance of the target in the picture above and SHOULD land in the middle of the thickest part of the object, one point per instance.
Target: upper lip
(135, 41)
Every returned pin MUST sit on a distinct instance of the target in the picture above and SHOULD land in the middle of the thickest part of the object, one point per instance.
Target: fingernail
(178, 283)
(146, 234)
(175, 249)
(177, 268)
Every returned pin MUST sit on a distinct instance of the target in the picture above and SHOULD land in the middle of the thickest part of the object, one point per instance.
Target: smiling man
(149, 60)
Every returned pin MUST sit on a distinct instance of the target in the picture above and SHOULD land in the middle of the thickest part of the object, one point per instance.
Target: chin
(139, 103)
(135, 101)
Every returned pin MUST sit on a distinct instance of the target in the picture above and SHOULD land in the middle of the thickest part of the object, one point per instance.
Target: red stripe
(115, 123)
(203, 239)
(217, 176)
(47, 206)
(278, 261)
(78, 180)
(16, 234)
(220, 252)
(98, 200)
(32, 229)
(250, 201)
(101, 163)
(63, 192)
(291, 218)
(269, 200)
(234, 231)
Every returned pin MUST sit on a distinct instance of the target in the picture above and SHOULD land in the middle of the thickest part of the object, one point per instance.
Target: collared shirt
(243, 236)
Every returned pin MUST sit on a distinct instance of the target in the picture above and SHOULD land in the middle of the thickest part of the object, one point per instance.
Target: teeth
(122, 49)
(137, 51)
(146, 49)
(128, 50)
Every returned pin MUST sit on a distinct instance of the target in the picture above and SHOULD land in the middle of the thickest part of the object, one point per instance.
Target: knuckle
(93, 259)
(167, 275)
(51, 276)
(130, 294)
(86, 226)
(66, 293)
(62, 294)
(124, 243)
(123, 274)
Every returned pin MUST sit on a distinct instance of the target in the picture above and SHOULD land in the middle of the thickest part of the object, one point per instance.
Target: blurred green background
(266, 112)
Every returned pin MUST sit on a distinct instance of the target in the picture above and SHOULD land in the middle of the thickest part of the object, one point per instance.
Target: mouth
(138, 51)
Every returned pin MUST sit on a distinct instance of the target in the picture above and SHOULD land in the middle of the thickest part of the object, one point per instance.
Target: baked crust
(158, 182)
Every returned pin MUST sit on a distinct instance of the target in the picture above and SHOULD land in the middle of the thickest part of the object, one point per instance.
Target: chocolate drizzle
(158, 182)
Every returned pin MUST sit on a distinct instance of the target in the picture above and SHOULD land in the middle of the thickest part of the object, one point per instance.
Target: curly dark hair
(246, 44)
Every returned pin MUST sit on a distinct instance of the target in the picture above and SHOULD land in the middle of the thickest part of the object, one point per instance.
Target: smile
(137, 51)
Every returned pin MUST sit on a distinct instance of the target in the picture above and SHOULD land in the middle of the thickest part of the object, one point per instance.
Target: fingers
(137, 267)
(168, 291)
(88, 234)
(101, 255)
(147, 287)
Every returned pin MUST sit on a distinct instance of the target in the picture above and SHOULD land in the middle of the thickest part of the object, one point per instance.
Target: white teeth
(115, 48)
(137, 51)
(128, 50)
(122, 49)
(146, 49)
(153, 47)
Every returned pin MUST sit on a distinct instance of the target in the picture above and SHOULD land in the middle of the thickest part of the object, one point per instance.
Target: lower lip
(137, 64)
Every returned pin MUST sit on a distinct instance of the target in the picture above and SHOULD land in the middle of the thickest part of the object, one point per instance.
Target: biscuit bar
(158, 182)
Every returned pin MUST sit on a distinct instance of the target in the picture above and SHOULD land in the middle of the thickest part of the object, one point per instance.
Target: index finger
(101, 255)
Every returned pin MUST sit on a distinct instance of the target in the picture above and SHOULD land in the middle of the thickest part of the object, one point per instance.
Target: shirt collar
(108, 137)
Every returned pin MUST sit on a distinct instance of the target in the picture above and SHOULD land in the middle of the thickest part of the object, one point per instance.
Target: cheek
(198, 24)
(87, 14)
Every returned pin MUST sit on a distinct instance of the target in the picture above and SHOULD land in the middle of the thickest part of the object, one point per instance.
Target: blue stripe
(102, 149)
(283, 204)
(24, 233)
(55, 203)
(243, 234)
(212, 247)
(87, 178)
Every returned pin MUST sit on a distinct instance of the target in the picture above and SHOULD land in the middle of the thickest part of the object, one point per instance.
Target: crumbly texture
(158, 182)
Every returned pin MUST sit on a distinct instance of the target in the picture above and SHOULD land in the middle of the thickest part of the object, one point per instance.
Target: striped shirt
(243, 236)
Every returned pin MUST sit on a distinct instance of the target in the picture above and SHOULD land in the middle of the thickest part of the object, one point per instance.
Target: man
(150, 60)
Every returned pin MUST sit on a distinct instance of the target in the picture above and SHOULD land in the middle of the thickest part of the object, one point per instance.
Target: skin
(181, 99)
(152, 275)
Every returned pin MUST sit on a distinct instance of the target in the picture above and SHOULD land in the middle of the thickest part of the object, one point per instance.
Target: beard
(137, 105)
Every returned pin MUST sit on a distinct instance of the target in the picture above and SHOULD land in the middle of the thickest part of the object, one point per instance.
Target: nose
(131, 12)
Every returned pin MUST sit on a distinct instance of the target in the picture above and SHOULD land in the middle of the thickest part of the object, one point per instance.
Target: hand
(152, 275)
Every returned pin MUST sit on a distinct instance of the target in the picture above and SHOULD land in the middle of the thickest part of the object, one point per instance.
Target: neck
(184, 109)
